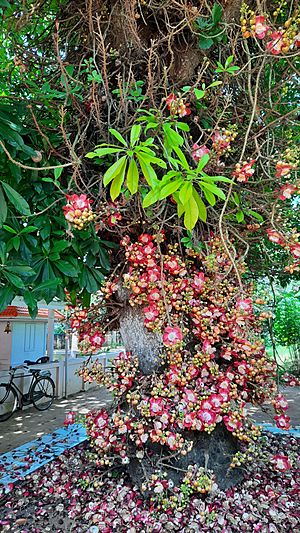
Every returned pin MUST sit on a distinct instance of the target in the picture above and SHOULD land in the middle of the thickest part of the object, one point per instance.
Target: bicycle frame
(23, 399)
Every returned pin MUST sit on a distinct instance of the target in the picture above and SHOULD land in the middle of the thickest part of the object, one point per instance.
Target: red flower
(242, 174)
(156, 406)
(281, 462)
(282, 421)
(286, 191)
(198, 282)
(280, 403)
(183, 109)
(189, 419)
(70, 418)
(283, 169)
(170, 100)
(145, 238)
(260, 27)
(172, 336)
(295, 250)
(199, 151)
(275, 236)
(151, 312)
(244, 305)
(97, 339)
(154, 295)
(276, 44)
(207, 417)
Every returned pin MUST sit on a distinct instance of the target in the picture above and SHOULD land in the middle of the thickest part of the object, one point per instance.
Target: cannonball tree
(162, 153)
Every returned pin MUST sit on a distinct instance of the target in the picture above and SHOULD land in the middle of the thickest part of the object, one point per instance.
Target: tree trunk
(213, 452)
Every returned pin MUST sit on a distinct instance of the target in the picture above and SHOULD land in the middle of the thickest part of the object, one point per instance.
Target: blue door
(28, 341)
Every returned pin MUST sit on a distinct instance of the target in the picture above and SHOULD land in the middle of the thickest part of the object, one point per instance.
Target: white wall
(57, 369)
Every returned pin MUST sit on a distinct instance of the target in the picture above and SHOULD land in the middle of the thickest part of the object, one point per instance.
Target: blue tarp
(20, 462)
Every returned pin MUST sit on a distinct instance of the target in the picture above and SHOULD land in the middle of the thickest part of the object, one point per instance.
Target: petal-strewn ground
(71, 494)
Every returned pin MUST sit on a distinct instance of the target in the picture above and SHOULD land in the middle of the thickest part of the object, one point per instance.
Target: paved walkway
(31, 424)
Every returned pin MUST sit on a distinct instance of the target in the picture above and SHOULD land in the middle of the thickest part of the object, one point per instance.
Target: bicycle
(41, 392)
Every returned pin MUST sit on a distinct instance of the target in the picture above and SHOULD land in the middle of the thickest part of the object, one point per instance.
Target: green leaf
(152, 197)
(201, 206)
(19, 203)
(203, 161)
(88, 281)
(185, 192)
(228, 61)
(205, 42)
(9, 229)
(13, 279)
(117, 182)
(215, 84)
(67, 268)
(132, 178)
(216, 13)
(191, 213)
(255, 215)
(170, 188)
(47, 284)
(240, 216)
(100, 152)
(181, 157)
(210, 197)
(114, 170)
(147, 170)
(6, 297)
(28, 229)
(16, 242)
(20, 269)
(118, 136)
(59, 246)
(199, 93)
(213, 188)
(3, 207)
(182, 126)
(57, 173)
(31, 302)
(135, 134)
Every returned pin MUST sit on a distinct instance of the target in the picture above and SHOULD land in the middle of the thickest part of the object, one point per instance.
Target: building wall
(5, 346)
(28, 341)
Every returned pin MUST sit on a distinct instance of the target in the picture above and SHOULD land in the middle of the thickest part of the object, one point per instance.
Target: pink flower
(172, 336)
(154, 275)
(208, 348)
(207, 417)
(198, 282)
(260, 27)
(220, 141)
(101, 420)
(79, 202)
(280, 403)
(156, 406)
(242, 174)
(151, 312)
(189, 396)
(171, 441)
(172, 265)
(231, 423)
(295, 250)
(286, 191)
(97, 339)
(244, 305)
(170, 100)
(154, 295)
(145, 238)
(282, 421)
(276, 44)
(189, 419)
(281, 462)
(199, 151)
(70, 418)
(275, 236)
(183, 109)
(283, 169)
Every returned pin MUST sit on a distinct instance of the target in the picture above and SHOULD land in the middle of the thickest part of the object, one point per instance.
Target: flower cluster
(281, 405)
(222, 139)
(290, 242)
(290, 380)
(177, 106)
(243, 172)
(108, 215)
(279, 41)
(78, 211)
(199, 151)
(90, 333)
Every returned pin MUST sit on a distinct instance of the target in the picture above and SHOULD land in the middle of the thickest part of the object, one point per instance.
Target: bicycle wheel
(42, 393)
(8, 401)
